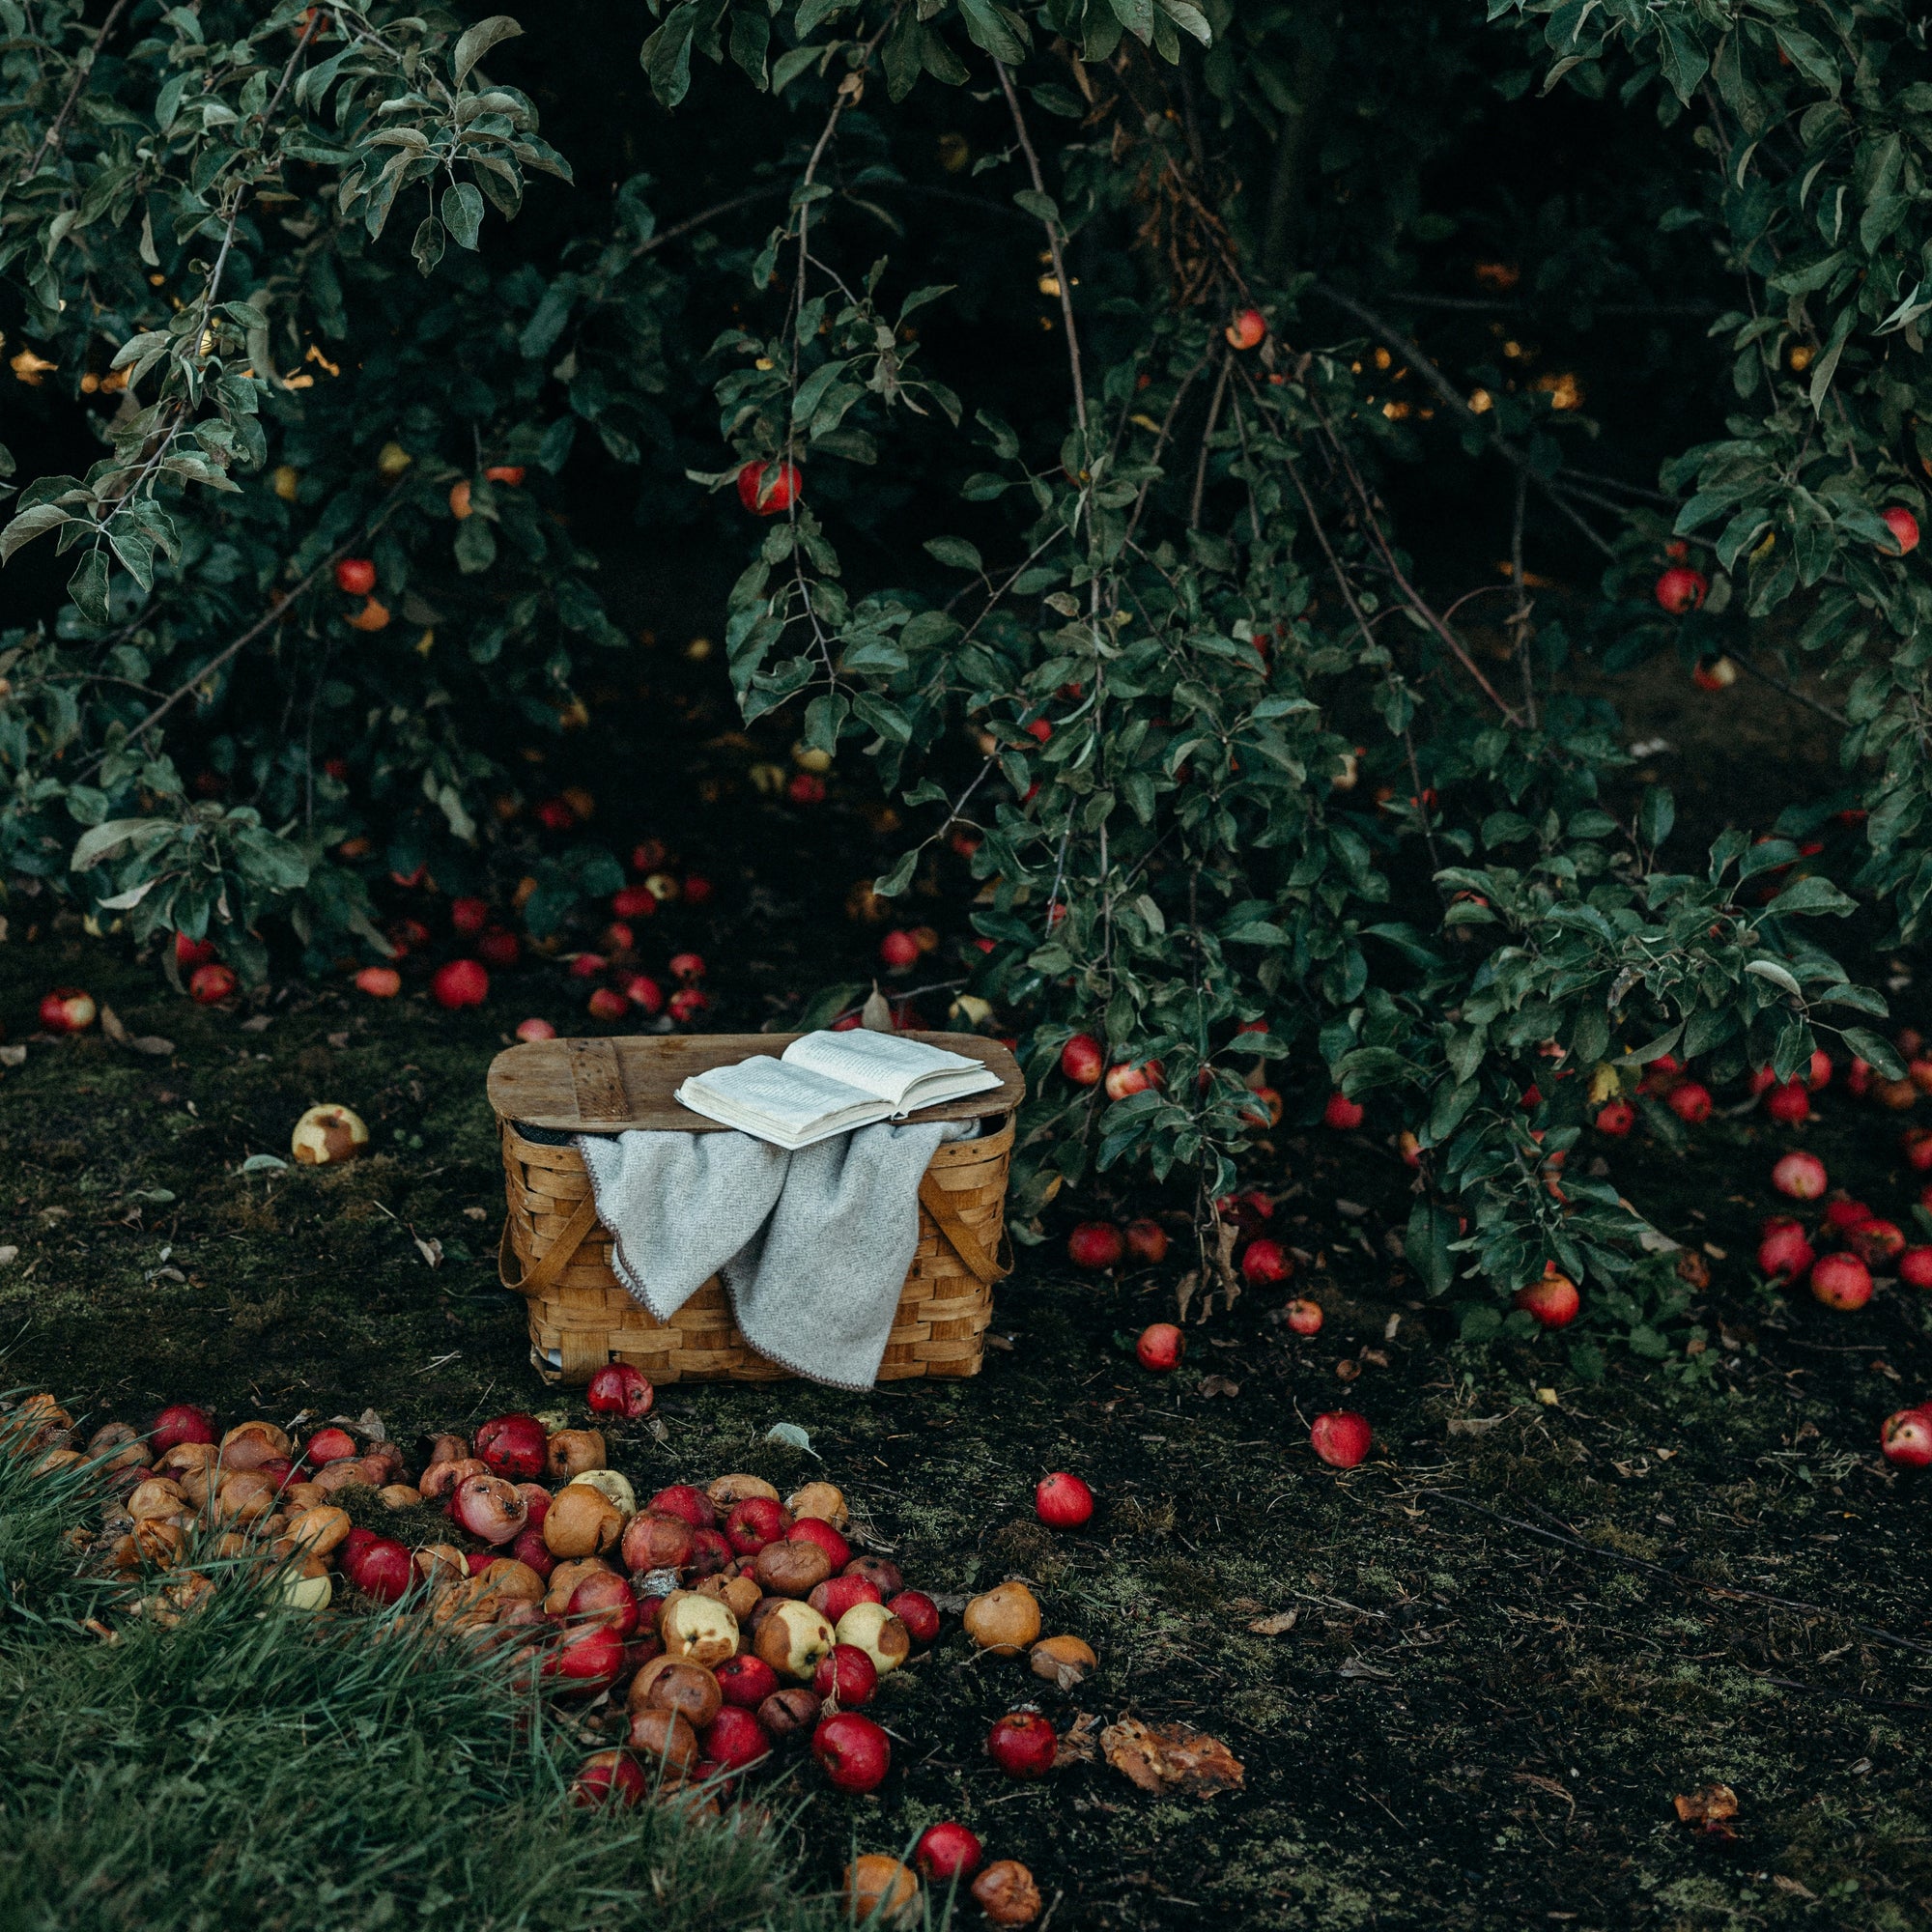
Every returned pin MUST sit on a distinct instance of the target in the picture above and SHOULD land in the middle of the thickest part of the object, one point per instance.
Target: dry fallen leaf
(1474, 1425)
(1354, 1666)
(13, 1055)
(1709, 1804)
(1275, 1625)
(1792, 1888)
(1076, 1744)
(1170, 1757)
(258, 1023)
(430, 1250)
(1217, 1385)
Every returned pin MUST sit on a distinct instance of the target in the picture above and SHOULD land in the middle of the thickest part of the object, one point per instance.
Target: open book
(829, 1082)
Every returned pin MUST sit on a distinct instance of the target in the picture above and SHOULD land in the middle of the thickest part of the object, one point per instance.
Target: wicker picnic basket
(556, 1254)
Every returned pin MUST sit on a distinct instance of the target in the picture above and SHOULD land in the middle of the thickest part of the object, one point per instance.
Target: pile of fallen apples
(709, 1626)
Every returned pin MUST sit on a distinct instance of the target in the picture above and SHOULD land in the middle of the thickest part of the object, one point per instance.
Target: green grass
(258, 1766)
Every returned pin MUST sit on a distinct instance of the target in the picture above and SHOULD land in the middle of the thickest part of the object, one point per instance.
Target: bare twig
(1207, 443)
(274, 615)
(1422, 608)
(1053, 245)
(1454, 400)
(1518, 622)
(1160, 441)
(1790, 690)
(1480, 305)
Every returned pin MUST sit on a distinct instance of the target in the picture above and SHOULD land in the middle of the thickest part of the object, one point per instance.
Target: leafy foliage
(1239, 794)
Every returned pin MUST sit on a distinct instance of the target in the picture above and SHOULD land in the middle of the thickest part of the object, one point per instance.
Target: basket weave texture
(583, 1318)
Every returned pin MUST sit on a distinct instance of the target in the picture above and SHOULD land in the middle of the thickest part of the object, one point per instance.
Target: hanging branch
(1519, 621)
(83, 67)
(1453, 398)
(1052, 228)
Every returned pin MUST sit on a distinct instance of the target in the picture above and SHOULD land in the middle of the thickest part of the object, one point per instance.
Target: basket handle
(965, 1243)
(557, 1258)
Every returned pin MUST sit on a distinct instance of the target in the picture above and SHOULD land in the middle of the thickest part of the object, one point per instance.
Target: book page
(885, 1065)
(792, 1097)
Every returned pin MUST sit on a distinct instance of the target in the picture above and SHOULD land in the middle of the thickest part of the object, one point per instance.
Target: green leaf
(88, 585)
(1656, 815)
(463, 213)
(956, 552)
(477, 40)
(1876, 1048)
(1810, 896)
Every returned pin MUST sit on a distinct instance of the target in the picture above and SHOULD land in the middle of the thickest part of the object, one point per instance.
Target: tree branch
(1053, 245)
(82, 67)
(1457, 406)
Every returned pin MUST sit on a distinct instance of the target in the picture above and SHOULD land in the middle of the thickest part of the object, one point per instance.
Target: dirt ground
(1542, 1610)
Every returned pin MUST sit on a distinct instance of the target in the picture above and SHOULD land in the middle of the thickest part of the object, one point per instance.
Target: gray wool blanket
(814, 1246)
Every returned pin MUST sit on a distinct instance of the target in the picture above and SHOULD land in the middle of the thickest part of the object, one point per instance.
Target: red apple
(66, 1010)
(179, 1422)
(1818, 1075)
(1914, 1268)
(1800, 1176)
(210, 985)
(470, 916)
(515, 1447)
(1022, 1743)
(1264, 1261)
(945, 1852)
(1095, 1244)
(768, 498)
(1551, 1302)
(848, 1674)
(811, 1529)
(643, 992)
(499, 946)
(330, 1445)
(356, 575)
(919, 1613)
(735, 1739)
(855, 1752)
(1160, 1346)
(1303, 1317)
(1342, 1113)
(1842, 1216)
(1906, 1438)
(1783, 1252)
(1904, 529)
(607, 1003)
(1062, 1502)
(745, 1681)
(837, 1594)
(1616, 1119)
(588, 1657)
(531, 1550)
(1126, 1080)
(1691, 1102)
(192, 953)
(1789, 1104)
(710, 1552)
(1340, 1437)
(1875, 1241)
(898, 951)
(1082, 1060)
(685, 1500)
(382, 1568)
(687, 1003)
(1679, 590)
(634, 902)
(606, 1777)
(754, 1522)
(535, 1029)
(1841, 1282)
(619, 1389)
(607, 1597)
(684, 967)
(380, 983)
(460, 983)
(1248, 328)
(1146, 1240)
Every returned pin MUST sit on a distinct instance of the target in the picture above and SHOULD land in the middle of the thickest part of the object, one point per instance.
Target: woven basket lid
(609, 1086)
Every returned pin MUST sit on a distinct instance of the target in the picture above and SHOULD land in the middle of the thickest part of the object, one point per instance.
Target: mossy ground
(1521, 1627)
